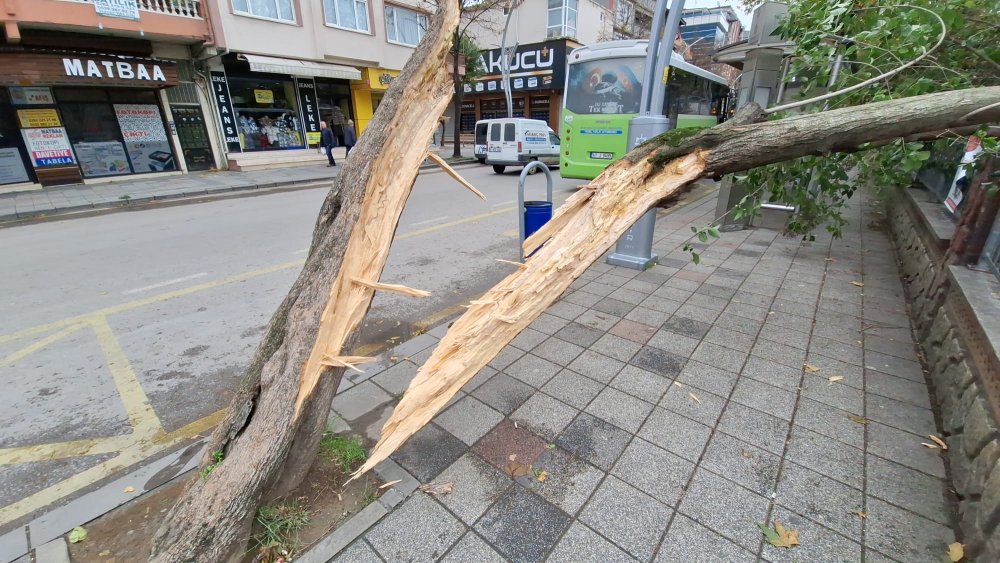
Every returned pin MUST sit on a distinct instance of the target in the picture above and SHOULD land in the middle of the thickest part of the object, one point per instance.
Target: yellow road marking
(19, 355)
(141, 416)
(455, 223)
(61, 450)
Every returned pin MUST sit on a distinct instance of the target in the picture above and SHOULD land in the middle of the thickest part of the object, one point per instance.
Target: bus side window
(494, 131)
(508, 132)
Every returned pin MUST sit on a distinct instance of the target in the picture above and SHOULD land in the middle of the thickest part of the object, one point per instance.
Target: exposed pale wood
(270, 433)
(593, 219)
(349, 362)
(394, 288)
(519, 265)
(451, 172)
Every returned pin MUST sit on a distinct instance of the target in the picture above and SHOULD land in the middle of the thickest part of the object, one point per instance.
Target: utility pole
(635, 247)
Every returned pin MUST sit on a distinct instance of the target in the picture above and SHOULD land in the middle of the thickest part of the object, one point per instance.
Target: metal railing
(182, 8)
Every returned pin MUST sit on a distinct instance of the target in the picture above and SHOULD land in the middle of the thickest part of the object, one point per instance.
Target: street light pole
(635, 247)
(505, 60)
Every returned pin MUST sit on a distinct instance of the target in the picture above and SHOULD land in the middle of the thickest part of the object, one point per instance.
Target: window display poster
(38, 118)
(29, 96)
(263, 96)
(49, 146)
(102, 159)
(145, 138)
(12, 167)
(140, 123)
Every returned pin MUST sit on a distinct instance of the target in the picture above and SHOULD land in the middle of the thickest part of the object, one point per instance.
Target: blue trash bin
(536, 214)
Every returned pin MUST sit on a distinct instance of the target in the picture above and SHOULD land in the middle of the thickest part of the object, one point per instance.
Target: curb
(214, 193)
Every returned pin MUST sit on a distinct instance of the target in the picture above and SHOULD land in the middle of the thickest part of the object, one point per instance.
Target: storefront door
(193, 135)
(15, 167)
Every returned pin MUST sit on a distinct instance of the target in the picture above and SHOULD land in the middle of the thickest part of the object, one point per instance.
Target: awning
(296, 67)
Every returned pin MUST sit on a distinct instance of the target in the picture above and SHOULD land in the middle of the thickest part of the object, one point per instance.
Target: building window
(280, 10)
(404, 26)
(562, 19)
(348, 14)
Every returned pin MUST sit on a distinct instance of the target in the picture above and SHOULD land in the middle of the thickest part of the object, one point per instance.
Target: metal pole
(505, 61)
(635, 247)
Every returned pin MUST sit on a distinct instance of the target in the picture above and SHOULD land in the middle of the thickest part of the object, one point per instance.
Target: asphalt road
(122, 335)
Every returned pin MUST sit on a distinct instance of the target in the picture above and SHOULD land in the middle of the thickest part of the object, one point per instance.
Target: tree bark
(595, 217)
(459, 94)
(270, 432)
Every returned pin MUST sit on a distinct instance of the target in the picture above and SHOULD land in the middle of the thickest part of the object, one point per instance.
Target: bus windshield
(608, 86)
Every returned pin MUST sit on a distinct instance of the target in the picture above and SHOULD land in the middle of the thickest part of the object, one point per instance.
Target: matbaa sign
(115, 70)
(124, 9)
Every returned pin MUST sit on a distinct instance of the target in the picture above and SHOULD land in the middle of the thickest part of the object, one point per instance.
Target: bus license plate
(602, 155)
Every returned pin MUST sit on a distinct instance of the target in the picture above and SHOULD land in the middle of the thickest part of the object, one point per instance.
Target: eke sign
(120, 70)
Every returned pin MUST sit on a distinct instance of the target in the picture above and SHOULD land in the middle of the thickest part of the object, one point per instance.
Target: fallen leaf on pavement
(550, 447)
(859, 284)
(828, 259)
(860, 513)
(836, 378)
(105, 553)
(77, 535)
(130, 489)
(810, 368)
(390, 483)
(695, 397)
(780, 536)
(517, 469)
(542, 476)
(929, 446)
(439, 488)
(747, 454)
(956, 552)
(939, 442)
(515, 424)
(679, 384)
(858, 418)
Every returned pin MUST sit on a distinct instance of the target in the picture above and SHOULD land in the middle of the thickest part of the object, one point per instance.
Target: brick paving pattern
(671, 413)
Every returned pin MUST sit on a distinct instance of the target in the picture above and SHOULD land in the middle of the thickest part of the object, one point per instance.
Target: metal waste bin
(532, 214)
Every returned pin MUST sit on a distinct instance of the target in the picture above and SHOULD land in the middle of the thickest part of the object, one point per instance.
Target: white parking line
(429, 221)
(505, 203)
(165, 283)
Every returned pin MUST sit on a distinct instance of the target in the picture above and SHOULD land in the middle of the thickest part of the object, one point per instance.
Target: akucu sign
(523, 60)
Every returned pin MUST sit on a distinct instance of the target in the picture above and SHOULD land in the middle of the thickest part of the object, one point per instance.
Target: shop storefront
(367, 93)
(69, 117)
(538, 74)
(268, 104)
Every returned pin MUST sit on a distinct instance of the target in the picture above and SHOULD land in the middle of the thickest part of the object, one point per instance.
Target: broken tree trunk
(270, 434)
(594, 218)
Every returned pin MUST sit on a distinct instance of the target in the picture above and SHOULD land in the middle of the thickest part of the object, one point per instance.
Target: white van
(480, 150)
(517, 141)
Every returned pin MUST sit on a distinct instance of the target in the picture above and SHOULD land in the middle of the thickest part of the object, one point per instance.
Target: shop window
(348, 14)
(404, 26)
(334, 101)
(280, 10)
(266, 113)
(562, 19)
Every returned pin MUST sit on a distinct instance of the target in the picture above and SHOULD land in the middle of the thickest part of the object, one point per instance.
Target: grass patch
(217, 458)
(344, 450)
(280, 525)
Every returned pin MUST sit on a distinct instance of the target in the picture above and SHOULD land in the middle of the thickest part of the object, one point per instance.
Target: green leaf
(77, 535)
(714, 231)
(702, 236)
(770, 535)
(696, 258)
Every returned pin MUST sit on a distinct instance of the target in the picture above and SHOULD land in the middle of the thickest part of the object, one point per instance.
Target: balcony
(183, 8)
(170, 21)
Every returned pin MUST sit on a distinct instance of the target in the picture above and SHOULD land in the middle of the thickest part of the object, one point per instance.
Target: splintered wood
(581, 231)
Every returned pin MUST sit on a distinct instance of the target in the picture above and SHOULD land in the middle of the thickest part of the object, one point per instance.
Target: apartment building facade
(705, 31)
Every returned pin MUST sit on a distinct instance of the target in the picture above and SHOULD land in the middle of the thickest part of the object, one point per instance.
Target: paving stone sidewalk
(671, 413)
(137, 190)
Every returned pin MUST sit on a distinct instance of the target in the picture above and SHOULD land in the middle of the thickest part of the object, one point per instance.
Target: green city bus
(602, 94)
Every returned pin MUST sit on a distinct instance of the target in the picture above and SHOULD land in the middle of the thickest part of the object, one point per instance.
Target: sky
(744, 15)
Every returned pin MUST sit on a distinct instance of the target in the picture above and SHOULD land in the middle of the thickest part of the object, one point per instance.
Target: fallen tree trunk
(271, 431)
(593, 219)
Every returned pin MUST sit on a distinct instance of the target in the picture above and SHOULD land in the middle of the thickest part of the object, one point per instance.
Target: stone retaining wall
(959, 390)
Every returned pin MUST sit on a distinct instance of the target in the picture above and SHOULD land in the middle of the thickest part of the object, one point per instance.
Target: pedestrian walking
(350, 136)
(327, 141)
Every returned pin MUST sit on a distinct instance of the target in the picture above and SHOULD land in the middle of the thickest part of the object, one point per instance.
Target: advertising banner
(102, 159)
(310, 109)
(48, 146)
(535, 66)
(145, 138)
(38, 118)
(122, 9)
(12, 167)
(227, 118)
(33, 95)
